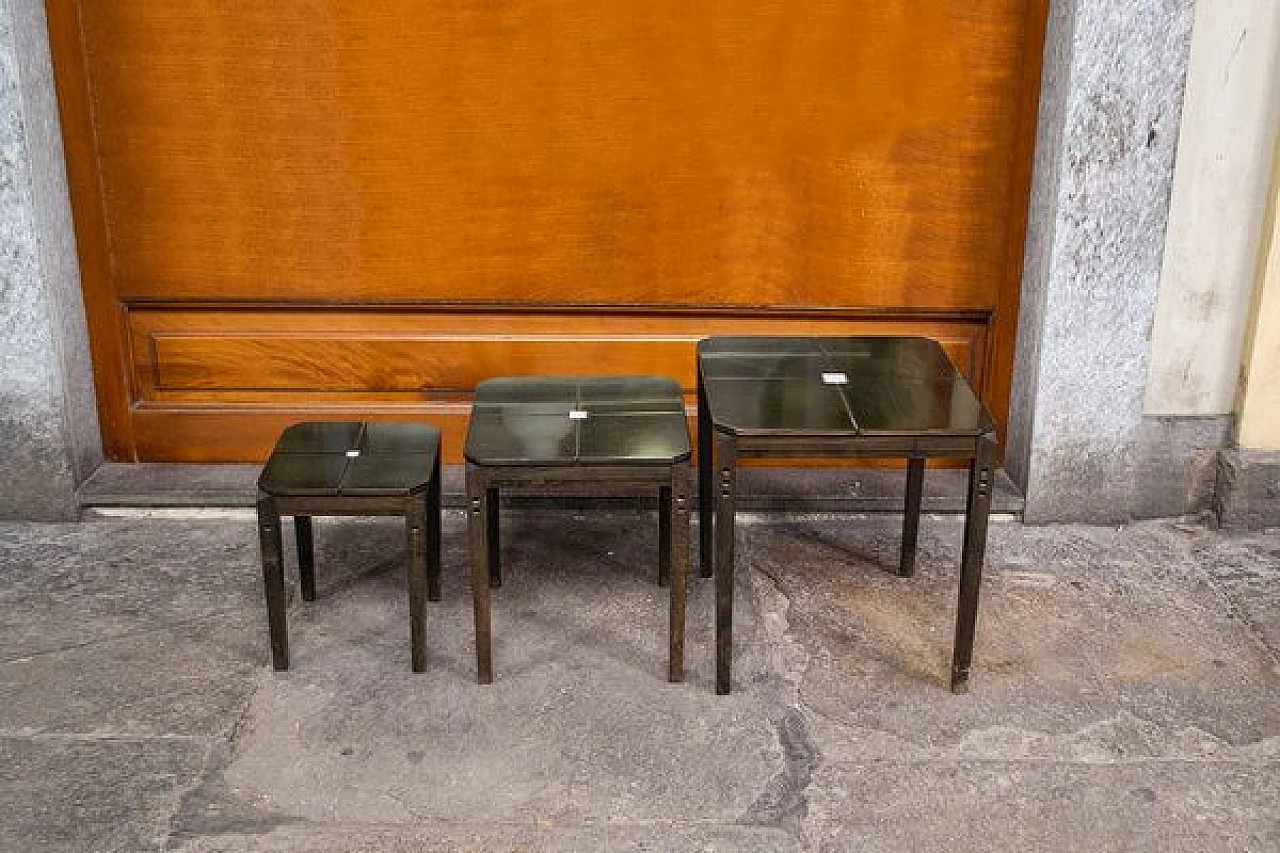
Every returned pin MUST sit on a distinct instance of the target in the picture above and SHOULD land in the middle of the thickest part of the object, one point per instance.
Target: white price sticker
(835, 379)
(353, 453)
(577, 415)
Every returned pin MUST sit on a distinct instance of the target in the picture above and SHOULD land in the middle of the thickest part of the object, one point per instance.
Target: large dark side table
(801, 397)
(351, 468)
(576, 435)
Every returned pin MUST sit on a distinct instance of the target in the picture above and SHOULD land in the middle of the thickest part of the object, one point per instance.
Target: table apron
(344, 504)
(791, 447)
(571, 479)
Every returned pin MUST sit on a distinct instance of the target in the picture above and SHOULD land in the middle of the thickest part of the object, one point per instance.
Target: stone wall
(1112, 94)
(49, 436)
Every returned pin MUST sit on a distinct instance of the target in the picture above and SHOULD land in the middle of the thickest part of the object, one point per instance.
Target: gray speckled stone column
(49, 438)
(1112, 94)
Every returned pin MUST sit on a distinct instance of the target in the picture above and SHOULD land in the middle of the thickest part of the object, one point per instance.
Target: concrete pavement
(1124, 697)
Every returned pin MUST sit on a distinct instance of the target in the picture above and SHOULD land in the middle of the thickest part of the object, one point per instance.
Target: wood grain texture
(558, 150)
(194, 355)
(666, 157)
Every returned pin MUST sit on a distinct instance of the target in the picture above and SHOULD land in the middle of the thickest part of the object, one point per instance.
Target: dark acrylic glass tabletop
(568, 420)
(342, 458)
(837, 386)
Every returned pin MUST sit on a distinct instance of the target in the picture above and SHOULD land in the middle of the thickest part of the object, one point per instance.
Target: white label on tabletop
(577, 415)
(835, 379)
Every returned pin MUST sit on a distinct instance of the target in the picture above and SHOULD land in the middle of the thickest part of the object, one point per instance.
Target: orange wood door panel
(193, 355)
(232, 378)
(319, 161)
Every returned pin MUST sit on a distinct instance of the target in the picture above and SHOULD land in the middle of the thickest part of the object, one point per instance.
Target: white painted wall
(1258, 418)
(1220, 192)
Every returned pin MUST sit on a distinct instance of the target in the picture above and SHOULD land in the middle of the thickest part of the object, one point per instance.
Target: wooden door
(313, 209)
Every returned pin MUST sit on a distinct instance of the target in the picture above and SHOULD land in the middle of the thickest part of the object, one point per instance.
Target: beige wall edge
(1220, 194)
(1258, 404)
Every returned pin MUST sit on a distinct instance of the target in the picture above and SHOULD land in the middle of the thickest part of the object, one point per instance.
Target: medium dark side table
(346, 468)
(570, 435)
(797, 397)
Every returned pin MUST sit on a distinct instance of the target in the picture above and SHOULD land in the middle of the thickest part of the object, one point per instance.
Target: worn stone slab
(128, 628)
(1178, 461)
(1247, 493)
(106, 795)
(171, 484)
(63, 586)
(1245, 568)
(191, 679)
(994, 806)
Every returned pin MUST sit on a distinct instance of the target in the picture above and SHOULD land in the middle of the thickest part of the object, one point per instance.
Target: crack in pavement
(208, 808)
(783, 803)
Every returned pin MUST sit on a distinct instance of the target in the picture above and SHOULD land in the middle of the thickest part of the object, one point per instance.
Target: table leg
(434, 537)
(975, 544)
(706, 490)
(416, 522)
(306, 556)
(678, 559)
(724, 524)
(495, 540)
(664, 535)
(273, 580)
(478, 528)
(911, 516)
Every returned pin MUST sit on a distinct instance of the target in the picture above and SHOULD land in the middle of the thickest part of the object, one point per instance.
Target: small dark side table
(574, 436)
(800, 397)
(347, 468)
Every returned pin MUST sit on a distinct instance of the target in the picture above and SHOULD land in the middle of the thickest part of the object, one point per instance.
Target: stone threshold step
(149, 484)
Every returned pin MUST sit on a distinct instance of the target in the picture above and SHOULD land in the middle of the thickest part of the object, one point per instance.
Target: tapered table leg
(664, 535)
(434, 539)
(416, 524)
(911, 516)
(706, 490)
(975, 545)
(306, 556)
(273, 580)
(677, 510)
(478, 528)
(723, 489)
(494, 539)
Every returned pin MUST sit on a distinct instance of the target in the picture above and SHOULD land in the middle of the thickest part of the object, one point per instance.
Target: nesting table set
(781, 397)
